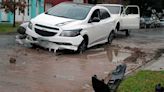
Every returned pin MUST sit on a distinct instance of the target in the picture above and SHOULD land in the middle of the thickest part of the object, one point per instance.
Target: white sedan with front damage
(71, 26)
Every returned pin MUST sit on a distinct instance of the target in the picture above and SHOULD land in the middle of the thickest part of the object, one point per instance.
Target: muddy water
(37, 70)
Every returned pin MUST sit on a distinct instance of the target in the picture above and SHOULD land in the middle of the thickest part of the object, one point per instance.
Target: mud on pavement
(37, 70)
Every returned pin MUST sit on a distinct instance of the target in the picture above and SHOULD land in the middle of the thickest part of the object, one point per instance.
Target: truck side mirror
(123, 14)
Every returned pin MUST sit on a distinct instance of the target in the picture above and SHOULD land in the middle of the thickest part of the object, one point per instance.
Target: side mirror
(124, 14)
(95, 19)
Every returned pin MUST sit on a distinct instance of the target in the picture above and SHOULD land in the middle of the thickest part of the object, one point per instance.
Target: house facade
(33, 8)
(110, 1)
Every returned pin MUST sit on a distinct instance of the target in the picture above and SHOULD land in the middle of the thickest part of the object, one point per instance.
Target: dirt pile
(136, 54)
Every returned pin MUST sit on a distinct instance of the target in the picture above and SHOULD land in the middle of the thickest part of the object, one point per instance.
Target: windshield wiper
(56, 15)
(47, 13)
(61, 16)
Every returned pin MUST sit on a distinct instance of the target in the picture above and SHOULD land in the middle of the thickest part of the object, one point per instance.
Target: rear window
(113, 9)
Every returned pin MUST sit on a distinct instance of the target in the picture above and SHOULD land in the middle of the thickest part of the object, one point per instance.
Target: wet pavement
(38, 70)
(157, 65)
(143, 38)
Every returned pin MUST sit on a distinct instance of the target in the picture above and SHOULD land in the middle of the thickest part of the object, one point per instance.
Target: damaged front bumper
(61, 43)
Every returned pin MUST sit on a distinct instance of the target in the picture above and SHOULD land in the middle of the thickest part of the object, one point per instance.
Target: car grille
(44, 33)
(47, 27)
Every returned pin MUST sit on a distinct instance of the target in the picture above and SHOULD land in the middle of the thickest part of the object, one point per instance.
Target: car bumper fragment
(49, 44)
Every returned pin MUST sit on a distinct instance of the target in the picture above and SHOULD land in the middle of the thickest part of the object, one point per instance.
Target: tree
(12, 6)
(145, 4)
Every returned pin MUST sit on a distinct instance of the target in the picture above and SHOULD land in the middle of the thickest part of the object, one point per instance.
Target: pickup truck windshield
(114, 9)
(68, 10)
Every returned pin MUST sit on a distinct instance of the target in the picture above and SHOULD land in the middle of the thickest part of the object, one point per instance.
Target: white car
(125, 18)
(71, 26)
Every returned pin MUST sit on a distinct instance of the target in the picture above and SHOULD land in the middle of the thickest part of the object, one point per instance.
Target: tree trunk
(14, 14)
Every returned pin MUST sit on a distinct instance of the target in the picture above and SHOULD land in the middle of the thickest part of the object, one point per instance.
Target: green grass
(7, 28)
(142, 81)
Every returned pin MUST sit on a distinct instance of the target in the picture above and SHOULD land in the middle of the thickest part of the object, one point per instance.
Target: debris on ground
(12, 60)
(137, 53)
(113, 83)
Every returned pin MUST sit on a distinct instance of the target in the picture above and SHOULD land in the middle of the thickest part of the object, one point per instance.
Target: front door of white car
(130, 18)
(98, 31)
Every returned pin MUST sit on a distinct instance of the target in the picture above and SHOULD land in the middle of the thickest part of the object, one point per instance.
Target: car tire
(111, 37)
(21, 30)
(115, 32)
(127, 33)
(82, 47)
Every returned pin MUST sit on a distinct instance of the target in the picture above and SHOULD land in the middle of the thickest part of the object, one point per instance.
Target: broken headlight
(30, 25)
(70, 33)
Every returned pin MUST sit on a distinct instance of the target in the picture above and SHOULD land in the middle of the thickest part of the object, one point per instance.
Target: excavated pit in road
(37, 70)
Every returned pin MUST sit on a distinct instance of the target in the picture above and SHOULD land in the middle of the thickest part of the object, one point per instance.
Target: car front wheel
(110, 37)
(127, 33)
(82, 47)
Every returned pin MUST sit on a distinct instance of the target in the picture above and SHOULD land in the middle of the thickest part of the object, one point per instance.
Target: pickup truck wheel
(110, 37)
(82, 47)
(127, 33)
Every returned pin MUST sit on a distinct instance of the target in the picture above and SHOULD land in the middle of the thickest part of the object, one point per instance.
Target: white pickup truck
(125, 17)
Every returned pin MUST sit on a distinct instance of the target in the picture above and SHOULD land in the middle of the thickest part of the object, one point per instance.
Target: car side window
(104, 14)
(132, 10)
(96, 14)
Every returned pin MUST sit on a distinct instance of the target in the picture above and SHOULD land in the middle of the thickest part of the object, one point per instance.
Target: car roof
(110, 4)
(74, 3)
(85, 4)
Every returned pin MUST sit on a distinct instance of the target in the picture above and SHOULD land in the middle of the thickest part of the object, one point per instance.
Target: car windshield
(70, 10)
(113, 9)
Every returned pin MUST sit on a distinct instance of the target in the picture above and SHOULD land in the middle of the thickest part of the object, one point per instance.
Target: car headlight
(71, 33)
(30, 25)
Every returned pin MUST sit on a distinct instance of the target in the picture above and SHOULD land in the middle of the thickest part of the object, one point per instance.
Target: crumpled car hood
(51, 20)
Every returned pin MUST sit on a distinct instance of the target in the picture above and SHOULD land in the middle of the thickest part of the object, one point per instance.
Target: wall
(110, 1)
(78, 1)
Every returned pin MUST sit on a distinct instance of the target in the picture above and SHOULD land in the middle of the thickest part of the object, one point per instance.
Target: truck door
(130, 18)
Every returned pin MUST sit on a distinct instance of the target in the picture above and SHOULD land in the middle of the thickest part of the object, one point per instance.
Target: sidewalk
(157, 65)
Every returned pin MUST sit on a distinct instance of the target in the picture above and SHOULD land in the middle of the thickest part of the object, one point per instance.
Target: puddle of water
(111, 53)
